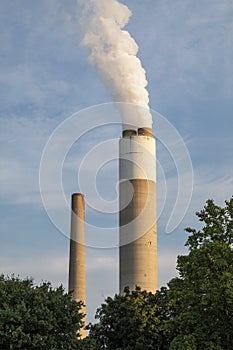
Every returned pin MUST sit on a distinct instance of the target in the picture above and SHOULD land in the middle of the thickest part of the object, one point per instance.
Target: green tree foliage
(37, 317)
(130, 321)
(195, 312)
(203, 295)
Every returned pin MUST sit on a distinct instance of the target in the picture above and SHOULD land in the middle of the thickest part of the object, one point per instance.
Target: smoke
(113, 53)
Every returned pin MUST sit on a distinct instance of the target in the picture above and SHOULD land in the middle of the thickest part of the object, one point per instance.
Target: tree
(37, 317)
(131, 321)
(203, 295)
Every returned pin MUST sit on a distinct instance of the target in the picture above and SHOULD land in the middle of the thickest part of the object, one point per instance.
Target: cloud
(187, 50)
(50, 266)
(20, 85)
(22, 142)
(215, 184)
(41, 63)
(167, 264)
(27, 88)
(209, 185)
(103, 264)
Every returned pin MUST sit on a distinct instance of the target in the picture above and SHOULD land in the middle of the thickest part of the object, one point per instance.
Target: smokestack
(137, 217)
(77, 273)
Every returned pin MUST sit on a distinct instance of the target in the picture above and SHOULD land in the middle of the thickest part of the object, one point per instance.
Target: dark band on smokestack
(145, 132)
(77, 269)
(129, 133)
(140, 132)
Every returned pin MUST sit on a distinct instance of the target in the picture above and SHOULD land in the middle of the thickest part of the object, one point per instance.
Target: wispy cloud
(22, 265)
(22, 142)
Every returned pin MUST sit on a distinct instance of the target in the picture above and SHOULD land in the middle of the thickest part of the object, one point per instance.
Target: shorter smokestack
(77, 271)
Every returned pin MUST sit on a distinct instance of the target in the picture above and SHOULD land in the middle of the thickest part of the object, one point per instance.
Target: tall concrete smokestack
(77, 272)
(138, 236)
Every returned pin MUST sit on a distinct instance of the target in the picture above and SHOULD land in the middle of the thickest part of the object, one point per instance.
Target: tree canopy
(203, 294)
(130, 321)
(37, 317)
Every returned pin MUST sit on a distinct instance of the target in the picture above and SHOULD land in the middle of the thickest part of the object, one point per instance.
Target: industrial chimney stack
(137, 217)
(77, 271)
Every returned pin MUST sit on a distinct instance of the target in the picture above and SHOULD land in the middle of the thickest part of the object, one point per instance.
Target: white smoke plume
(113, 53)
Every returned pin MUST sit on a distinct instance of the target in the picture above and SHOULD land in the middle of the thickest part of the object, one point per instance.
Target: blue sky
(186, 49)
